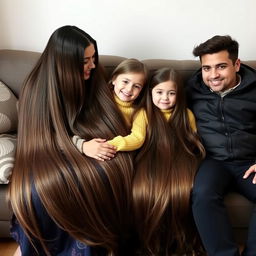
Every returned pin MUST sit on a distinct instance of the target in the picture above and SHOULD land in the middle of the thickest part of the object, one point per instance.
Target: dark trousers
(212, 182)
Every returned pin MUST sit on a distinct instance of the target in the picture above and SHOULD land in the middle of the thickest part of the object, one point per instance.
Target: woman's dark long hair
(164, 174)
(88, 199)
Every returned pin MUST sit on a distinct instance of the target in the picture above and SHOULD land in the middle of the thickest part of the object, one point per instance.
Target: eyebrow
(219, 64)
(125, 78)
(86, 58)
(165, 90)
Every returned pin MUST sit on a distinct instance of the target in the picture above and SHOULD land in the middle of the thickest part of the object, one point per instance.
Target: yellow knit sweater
(137, 136)
(168, 112)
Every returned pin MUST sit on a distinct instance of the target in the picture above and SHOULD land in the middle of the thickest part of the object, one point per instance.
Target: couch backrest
(15, 65)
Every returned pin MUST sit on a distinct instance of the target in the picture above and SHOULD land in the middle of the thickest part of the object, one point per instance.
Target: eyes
(88, 60)
(136, 86)
(170, 93)
(218, 67)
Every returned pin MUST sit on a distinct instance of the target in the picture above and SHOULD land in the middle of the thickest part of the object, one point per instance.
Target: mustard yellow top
(192, 121)
(137, 136)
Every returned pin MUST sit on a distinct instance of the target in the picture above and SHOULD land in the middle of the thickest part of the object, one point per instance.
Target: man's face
(218, 71)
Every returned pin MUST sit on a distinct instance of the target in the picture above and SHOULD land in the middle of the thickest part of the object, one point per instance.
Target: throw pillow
(8, 110)
(7, 154)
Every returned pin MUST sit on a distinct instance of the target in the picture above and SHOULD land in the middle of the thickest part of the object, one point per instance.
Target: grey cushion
(8, 110)
(7, 154)
(8, 124)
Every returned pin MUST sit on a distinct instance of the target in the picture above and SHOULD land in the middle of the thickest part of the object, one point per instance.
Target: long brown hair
(164, 174)
(88, 199)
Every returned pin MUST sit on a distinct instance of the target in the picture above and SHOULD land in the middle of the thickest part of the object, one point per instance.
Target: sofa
(16, 64)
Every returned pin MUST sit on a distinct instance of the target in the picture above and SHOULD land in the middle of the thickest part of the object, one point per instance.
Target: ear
(113, 80)
(237, 65)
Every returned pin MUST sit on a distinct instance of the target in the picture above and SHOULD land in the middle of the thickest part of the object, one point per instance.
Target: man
(222, 95)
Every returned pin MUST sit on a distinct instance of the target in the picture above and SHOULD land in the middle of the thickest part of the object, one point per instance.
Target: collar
(224, 93)
(122, 103)
(167, 113)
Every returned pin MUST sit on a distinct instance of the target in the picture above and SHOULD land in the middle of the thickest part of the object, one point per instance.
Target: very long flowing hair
(165, 169)
(88, 199)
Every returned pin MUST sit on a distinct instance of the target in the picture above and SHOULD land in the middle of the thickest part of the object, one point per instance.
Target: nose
(128, 87)
(165, 96)
(214, 73)
(91, 64)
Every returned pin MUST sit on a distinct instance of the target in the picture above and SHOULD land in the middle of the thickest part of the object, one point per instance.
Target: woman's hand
(99, 149)
(251, 170)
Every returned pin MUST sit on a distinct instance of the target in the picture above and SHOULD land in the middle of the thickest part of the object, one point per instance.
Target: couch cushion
(7, 153)
(8, 110)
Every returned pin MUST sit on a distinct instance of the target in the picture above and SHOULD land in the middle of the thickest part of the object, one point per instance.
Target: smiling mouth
(215, 82)
(126, 94)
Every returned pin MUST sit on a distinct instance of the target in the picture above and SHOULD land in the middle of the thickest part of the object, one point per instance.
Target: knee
(203, 194)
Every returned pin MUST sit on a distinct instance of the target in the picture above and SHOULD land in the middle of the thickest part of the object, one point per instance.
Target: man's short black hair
(217, 44)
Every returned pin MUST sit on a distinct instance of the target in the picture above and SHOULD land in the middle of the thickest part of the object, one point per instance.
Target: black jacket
(226, 125)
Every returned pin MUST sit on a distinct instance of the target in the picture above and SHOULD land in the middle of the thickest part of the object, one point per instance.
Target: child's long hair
(164, 174)
(88, 199)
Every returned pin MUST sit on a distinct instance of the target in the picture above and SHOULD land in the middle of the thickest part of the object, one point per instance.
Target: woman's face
(89, 59)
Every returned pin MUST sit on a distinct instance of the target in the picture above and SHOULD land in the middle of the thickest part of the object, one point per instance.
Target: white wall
(131, 28)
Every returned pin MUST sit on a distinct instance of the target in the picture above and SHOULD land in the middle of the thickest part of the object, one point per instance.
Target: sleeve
(192, 120)
(137, 136)
(78, 142)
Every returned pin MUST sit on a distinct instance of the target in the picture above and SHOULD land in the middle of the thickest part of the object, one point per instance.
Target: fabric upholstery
(7, 154)
(8, 110)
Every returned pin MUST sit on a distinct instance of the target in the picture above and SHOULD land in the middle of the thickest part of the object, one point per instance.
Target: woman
(65, 203)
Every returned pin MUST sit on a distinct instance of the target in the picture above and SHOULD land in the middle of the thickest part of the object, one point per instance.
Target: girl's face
(89, 59)
(164, 95)
(127, 87)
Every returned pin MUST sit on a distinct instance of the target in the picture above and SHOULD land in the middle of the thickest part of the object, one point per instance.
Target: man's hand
(99, 149)
(251, 170)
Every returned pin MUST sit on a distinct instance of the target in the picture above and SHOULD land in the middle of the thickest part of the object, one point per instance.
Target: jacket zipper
(226, 130)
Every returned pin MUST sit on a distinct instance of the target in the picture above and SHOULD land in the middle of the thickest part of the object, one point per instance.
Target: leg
(211, 183)
(248, 189)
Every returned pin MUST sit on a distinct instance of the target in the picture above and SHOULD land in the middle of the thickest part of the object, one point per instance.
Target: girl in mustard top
(164, 170)
(127, 82)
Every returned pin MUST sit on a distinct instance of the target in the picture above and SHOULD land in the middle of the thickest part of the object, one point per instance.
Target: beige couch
(15, 65)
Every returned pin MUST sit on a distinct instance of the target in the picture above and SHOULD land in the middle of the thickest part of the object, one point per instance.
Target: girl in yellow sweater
(127, 82)
(164, 170)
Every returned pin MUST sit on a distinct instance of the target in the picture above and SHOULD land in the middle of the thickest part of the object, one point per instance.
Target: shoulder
(194, 83)
(247, 73)
(141, 114)
(192, 120)
(195, 77)
(190, 114)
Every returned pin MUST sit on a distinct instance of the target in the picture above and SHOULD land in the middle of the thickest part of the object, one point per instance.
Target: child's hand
(99, 149)
(251, 170)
